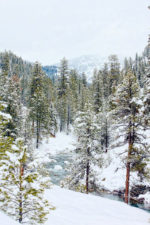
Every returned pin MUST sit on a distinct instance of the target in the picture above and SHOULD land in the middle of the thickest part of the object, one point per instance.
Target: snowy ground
(61, 143)
(74, 208)
(113, 174)
(5, 220)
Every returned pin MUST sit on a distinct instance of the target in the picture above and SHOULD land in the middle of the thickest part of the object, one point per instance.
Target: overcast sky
(47, 30)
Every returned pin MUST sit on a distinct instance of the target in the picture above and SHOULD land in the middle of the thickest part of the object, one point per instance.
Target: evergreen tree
(82, 175)
(14, 106)
(104, 123)
(97, 91)
(85, 94)
(129, 126)
(5, 142)
(22, 187)
(114, 71)
(147, 92)
(73, 94)
(63, 107)
(4, 79)
(10, 94)
(106, 81)
(39, 105)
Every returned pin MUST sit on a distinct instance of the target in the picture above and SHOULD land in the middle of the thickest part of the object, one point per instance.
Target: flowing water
(118, 198)
(58, 167)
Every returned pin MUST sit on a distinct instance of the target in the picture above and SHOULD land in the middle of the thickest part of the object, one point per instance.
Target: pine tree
(114, 71)
(10, 94)
(97, 91)
(4, 77)
(84, 93)
(82, 175)
(22, 187)
(51, 114)
(39, 105)
(147, 92)
(5, 142)
(73, 94)
(14, 106)
(129, 126)
(106, 81)
(104, 123)
(62, 94)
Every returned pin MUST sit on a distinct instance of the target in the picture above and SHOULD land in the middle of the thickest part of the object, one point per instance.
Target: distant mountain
(86, 64)
(83, 64)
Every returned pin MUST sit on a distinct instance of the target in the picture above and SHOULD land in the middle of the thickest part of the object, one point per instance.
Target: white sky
(47, 30)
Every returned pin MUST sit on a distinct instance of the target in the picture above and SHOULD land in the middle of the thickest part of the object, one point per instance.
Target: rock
(58, 167)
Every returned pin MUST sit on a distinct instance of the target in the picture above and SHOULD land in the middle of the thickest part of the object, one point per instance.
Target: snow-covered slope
(113, 174)
(5, 220)
(74, 208)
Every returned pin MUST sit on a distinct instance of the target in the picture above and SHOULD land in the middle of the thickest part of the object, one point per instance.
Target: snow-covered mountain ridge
(87, 63)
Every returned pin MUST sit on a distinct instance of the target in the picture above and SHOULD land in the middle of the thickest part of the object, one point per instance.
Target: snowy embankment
(113, 175)
(74, 208)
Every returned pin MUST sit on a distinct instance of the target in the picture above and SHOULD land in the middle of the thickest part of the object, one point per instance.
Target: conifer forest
(74, 145)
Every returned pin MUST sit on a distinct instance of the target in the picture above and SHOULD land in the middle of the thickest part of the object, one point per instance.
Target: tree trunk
(20, 189)
(61, 125)
(87, 171)
(130, 146)
(68, 119)
(37, 134)
(128, 166)
(33, 127)
(106, 139)
(127, 182)
(87, 176)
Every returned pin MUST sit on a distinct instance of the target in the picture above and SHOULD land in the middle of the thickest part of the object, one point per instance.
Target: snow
(61, 143)
(58, 167)
(5, 220)
(74, 208)
(146, 197)
(5, 116)
(113, 174)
